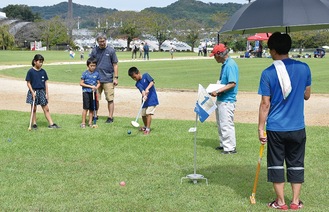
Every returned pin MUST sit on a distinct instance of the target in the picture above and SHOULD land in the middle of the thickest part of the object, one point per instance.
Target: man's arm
(227, 87)
(116, 74)
(264, 109)
(307, 93)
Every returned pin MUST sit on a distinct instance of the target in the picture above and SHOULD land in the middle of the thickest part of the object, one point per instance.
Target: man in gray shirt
(107, 66)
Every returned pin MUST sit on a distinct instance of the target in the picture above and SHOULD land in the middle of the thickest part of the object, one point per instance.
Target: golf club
(253, 194)
(135, 123)
(95, 116)
(31, 118)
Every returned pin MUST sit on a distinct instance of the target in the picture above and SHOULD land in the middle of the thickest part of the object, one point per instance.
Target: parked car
(178, 45)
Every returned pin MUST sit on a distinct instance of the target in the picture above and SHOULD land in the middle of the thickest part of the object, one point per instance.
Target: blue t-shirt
(152, 98)
(286, 115)
(105, 60)
(89, 78)
(37, 78)
(229, 73)
(146, 48)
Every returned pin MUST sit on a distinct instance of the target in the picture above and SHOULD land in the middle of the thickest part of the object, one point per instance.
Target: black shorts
(288, 147)
(88, 102)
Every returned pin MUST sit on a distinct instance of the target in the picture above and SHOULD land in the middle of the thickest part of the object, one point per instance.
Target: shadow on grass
(234, 172)
(239, 178)
(208, 142)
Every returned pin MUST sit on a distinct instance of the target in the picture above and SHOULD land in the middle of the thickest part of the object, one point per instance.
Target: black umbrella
(279, 15)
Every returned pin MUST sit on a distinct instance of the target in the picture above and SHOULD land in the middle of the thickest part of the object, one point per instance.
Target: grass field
(168, 74)
(71, 169)
(25, 57)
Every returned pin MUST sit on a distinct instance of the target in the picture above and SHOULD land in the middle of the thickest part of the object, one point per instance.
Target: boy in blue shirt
(90, 83)
(145, 84)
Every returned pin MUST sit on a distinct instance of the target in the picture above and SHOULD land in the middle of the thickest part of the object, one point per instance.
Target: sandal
(82, 125)
(298, 206)
(276, 205)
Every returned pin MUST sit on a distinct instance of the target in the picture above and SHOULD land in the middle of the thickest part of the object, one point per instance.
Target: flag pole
(196, 124)
(203, 108)
(195, 177)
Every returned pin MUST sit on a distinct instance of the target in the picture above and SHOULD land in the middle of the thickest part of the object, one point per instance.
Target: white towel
(284, 78)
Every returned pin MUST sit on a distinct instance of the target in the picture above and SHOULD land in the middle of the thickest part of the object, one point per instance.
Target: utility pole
(70, 17)
(78, 22)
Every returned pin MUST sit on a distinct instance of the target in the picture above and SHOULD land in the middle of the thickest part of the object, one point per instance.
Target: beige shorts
(108, 89)
(148, 110)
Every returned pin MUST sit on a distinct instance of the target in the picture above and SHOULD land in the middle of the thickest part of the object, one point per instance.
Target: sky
(113, 4)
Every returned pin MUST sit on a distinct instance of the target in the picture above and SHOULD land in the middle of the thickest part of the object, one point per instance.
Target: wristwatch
(116, 77)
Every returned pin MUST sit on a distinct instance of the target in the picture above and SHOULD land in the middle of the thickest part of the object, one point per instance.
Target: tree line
(161, 23)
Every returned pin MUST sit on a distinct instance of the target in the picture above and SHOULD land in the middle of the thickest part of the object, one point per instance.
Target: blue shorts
(40, 97)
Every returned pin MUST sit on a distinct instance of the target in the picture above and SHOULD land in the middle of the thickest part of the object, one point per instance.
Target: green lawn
(74, 169)
(25, 57)
(168, 74)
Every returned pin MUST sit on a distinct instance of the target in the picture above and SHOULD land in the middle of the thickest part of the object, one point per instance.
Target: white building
(2, 15)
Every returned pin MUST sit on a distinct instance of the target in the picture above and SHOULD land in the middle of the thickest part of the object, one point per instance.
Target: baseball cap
(219, 48)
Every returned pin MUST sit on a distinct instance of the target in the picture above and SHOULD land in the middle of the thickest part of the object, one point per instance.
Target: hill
(196, 10)
(181, 9)
(83, 11)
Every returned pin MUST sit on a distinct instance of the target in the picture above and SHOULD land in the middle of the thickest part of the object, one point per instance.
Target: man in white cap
(226, 98)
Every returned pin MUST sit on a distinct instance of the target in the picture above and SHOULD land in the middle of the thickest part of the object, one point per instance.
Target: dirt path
(66, 99)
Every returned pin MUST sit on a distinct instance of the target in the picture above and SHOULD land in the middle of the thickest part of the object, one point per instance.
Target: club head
(134, 123)
(192, 130)
(252, 200)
